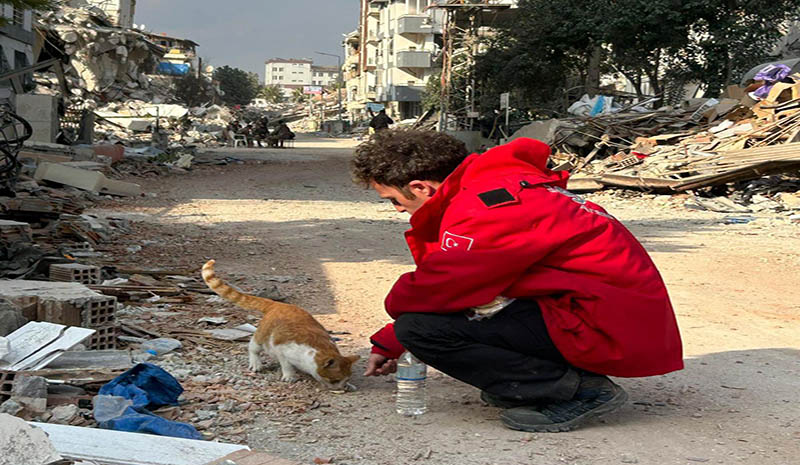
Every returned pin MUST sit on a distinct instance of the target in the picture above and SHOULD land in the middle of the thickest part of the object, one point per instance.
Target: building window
(274, 70)
(17, 16)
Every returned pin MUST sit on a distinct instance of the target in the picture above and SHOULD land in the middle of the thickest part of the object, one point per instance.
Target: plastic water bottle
(411, 375)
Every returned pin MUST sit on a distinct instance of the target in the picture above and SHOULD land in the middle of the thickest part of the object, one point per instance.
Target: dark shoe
(503, 402)
(596, 395)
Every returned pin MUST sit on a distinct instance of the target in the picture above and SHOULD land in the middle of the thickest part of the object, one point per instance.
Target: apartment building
(120, 11)
(293, 73)
(397, 44)
(325, 76)
(16, 44)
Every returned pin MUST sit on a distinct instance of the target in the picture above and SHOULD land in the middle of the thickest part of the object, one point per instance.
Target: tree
(298, 96)
(193, 91)
(239, 86)
(731, 37)
(271, 93)
(554, 45)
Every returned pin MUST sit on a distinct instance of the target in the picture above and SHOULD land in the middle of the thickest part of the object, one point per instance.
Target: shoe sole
(614, 403)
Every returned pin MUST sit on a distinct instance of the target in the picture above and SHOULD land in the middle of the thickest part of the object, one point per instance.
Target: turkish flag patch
(452, 241)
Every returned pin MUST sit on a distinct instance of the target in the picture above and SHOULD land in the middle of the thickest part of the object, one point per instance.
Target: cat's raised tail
(225, 291)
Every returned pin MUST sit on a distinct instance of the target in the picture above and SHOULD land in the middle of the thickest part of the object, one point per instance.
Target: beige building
(397, 44)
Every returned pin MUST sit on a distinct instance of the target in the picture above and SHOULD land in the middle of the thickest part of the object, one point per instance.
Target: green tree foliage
(271, 93)
(193, 91)
(432, 96)
(239, 86)
(298, 96)
(552, 45)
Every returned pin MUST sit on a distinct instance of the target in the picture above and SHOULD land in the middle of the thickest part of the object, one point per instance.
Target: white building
(399, 44)
(292, 73)
(289, 74)
(16, 43)
(120, 11)
(325, 76)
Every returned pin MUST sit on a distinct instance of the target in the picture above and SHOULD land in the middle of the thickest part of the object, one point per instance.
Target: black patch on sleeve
(378, 345)
(496, 197)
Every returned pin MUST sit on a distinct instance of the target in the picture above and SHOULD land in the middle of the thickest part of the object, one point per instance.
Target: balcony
(413, 59)
(417, 24)
(374, 9)
(401, 93)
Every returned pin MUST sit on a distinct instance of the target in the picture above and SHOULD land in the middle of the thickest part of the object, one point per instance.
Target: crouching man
(522, 289)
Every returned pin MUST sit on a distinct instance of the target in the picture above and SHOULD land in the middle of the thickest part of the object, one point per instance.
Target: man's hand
(377, 365)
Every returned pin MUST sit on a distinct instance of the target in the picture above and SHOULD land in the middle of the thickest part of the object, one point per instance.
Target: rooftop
(288, 60)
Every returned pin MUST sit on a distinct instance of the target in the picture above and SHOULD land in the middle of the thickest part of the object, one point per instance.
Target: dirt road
(292, 219)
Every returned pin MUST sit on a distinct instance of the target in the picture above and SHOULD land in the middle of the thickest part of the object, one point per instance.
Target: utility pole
(339, 89)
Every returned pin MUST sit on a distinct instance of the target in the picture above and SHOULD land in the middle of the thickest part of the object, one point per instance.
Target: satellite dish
(209, 69)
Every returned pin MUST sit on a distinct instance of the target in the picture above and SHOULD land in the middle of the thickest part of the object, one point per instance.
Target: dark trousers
(509, 355)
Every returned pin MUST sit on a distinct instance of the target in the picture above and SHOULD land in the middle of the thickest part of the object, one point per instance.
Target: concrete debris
(11, 407)
(37, 344)
(22, 443)
(749, 147)
(5, 347)
(64, 414)
(92, 181)
(11, 318)
(105, 62)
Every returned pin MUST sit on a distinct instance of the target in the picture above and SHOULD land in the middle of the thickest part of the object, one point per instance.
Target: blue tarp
(172, 69)
(148, 387)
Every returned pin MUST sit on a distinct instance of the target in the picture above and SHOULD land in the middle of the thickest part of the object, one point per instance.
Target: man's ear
(421, 188)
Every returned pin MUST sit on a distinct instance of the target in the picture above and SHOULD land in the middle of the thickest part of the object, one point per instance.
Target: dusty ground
(295, 214)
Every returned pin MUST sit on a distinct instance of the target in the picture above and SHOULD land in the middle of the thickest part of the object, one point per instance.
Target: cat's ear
(353, 358)
(329, 363)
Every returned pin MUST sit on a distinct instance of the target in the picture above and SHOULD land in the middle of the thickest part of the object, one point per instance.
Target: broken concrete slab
(93, 359)
(30, 386)
(86, 180)
(11, 318)
(540, 130)
(22, 443)
(37, 344)
(69, 304)
(121, 448)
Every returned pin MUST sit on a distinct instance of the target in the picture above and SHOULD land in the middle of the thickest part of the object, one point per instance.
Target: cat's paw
(286, 378)
(255, 365)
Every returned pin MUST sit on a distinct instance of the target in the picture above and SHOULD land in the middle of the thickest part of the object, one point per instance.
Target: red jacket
(502, 224)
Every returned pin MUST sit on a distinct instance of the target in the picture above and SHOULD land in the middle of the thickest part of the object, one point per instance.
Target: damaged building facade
(16, 43)
(120, 12)
(398, 42)
(180, 58)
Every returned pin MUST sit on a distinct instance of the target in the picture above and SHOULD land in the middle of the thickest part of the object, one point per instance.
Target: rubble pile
(106, 63)
(136, 121)
(743, 150)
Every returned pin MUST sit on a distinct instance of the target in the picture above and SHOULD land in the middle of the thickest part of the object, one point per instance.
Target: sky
(245, 33)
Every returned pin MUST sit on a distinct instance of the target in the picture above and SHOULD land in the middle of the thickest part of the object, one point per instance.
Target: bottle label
(411, 373)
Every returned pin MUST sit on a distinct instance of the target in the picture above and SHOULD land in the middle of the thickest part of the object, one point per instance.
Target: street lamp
(339, 90)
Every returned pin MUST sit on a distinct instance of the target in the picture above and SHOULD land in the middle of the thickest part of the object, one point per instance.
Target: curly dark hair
(395, 157)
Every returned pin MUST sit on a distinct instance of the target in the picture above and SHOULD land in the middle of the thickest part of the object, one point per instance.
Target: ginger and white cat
(289, 334)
